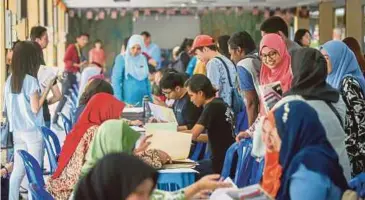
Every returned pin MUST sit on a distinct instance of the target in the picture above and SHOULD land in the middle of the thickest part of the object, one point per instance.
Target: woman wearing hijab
(345, 75)
(275, 67)
(93, 87)
(86, 74)
(130, 74)
(300, 163)
(121, 176)
(354, 45)
(77, 143)
(309, 69)
(115, 136)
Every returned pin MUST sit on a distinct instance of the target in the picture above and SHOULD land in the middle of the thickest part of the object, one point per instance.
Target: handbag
(6, 135)
(237, 101)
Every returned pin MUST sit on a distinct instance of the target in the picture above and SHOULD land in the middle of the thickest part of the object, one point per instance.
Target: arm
(36, 101)
(252, 105)
(117, 77)
(197, 133)
(91, 56)
(56, 94)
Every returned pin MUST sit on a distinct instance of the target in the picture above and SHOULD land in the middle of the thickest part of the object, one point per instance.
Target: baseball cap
(202, 41)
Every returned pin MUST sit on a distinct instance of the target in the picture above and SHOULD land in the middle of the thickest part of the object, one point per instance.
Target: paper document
(270, 94)
(152, 127)
(175, 144)
(45, 75)
(133, 110)
(162, 113)
(138, 129)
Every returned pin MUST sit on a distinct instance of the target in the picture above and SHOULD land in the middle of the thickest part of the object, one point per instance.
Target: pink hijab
(282, 72)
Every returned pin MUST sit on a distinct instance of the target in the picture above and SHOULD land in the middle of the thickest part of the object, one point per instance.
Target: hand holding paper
(162, 113)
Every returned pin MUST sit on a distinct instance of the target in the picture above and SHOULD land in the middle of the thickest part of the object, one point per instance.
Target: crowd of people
(312, 140)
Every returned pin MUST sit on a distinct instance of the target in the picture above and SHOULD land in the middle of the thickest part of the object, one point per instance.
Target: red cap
(202, 41)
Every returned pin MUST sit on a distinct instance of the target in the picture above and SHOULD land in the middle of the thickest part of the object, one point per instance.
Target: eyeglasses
(271, 55)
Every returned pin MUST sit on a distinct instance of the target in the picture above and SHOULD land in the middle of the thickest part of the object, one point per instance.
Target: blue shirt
(245, 77)
(191, 66)
(306, 184)
(217, 74)
(129, 90)
(155, 52)
(18, 107)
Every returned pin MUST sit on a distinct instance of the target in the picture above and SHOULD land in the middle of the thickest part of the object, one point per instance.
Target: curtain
(111, 32)
(216, 23)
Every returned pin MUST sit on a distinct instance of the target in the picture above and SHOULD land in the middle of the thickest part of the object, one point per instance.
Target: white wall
(168, 33)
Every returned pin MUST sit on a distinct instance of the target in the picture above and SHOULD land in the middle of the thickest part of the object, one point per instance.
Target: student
(74, 61)
(182, 58)
(187, 114)
(151, 49)
(93, 87)
(243, 52)
(277, 25)
(303, 37)
(23, 103)
(130, 74)
(219, 67)
(300, 163)
(97, 54)
(216, 118)
(309, 69)
(39, 36)
(345, 75)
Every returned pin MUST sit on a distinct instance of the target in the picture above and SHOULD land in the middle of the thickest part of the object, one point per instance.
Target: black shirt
(217, 118)
(187, 114)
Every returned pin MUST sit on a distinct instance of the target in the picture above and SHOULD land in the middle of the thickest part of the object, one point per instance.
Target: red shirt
(71, 57)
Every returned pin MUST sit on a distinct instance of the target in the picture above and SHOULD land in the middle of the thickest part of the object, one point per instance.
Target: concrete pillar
(49, 53)
(325, 21)
(299, 22)
(33, 13)
(61, 45)
(2, 54)
(354, 20)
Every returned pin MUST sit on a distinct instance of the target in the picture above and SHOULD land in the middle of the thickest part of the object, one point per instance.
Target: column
(61, 37)
(299, 22)
(33, 13)
(354, 20)
(49, 53)
(2, 54)
(325, 21)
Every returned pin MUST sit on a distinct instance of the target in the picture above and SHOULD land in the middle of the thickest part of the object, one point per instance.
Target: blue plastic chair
(67, 123)
(244, 162)
(358, 184)
(199, 148)
(175, 181)
(39, 193)
(53, 153)
(32, 168)
(257, 171)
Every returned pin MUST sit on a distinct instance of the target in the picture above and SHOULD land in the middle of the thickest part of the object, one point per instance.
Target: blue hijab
(304, 141)
(344, 64)
(136, 66)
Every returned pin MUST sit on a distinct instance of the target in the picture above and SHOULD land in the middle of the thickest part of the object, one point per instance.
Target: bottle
(146, 109)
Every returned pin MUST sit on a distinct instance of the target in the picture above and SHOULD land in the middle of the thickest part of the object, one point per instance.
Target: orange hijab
(272, 170)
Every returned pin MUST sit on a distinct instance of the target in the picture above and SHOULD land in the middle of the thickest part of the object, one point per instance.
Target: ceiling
(188, 3)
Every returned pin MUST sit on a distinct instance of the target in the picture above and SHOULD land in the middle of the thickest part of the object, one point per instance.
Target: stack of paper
(253, 192)
(133, 113)
(153, 127)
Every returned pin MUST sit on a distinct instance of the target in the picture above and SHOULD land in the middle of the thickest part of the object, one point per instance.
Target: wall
(168, 33)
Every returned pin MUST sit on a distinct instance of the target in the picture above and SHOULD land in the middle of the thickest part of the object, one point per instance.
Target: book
(252, 192)
(270, 94)
(151, 127)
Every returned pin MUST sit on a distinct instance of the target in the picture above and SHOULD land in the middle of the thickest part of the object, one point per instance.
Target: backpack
(237, 101)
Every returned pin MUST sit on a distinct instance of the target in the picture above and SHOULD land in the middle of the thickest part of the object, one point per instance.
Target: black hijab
(116, 176)
(309, 69)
